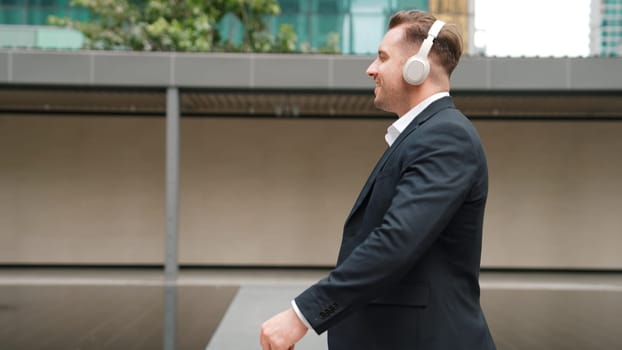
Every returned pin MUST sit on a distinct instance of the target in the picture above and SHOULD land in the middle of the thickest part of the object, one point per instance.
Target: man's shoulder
(448, 118)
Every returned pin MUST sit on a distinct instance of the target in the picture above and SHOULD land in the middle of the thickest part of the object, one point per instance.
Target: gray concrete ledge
(289, 71)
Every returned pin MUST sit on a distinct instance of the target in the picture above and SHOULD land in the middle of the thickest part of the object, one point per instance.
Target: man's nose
(371, 70)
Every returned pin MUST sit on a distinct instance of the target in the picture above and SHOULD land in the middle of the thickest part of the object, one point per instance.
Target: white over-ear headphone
(417, 68)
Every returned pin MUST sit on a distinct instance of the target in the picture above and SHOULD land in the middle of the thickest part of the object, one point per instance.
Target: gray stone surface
(349, 72)
(50, 67)
(4, 66)
(212, 70)
(596, 74)
(532, 73)
(291, 71)
(252, 305)
(131, 68)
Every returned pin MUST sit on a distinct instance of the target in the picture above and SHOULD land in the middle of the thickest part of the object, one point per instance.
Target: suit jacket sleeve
(434, 169)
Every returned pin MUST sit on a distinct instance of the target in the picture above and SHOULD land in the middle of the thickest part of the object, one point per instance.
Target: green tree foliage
(252, 14)
(178, 25)
(332, 43)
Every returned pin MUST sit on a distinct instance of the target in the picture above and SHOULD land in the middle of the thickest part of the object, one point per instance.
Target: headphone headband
(426, 46)
(436, 28)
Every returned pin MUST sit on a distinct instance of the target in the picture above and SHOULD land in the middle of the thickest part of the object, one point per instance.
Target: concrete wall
(90, 190)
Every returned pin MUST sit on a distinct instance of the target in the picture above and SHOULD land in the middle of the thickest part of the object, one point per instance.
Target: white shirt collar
(395, 129)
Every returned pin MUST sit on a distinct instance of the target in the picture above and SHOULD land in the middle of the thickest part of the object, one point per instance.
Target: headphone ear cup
(416, 70)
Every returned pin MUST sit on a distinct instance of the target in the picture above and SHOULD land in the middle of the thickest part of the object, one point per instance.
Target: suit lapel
(435, 107)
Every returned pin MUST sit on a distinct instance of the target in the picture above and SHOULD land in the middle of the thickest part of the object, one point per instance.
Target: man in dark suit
(407, 276)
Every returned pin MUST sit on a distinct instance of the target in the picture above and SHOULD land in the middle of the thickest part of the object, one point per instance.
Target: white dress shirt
(395, 129)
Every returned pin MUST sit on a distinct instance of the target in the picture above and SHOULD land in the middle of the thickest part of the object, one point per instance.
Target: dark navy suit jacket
(407, 276)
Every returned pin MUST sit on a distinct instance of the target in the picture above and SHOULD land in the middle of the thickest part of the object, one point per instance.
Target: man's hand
(282, 331)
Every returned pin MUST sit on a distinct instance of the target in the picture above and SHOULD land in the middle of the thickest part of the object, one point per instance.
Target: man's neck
(418, 94)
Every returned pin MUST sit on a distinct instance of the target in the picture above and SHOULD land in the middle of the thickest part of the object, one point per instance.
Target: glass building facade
(23, 23)
(606, 28)
(611, 28)
(345, 26)
(354, 26)
(36, 12)
(358, 25)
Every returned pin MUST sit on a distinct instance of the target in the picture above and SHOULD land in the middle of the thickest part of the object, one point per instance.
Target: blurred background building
(353, 25)
(606, 28)
(356, 25)
(23, 24)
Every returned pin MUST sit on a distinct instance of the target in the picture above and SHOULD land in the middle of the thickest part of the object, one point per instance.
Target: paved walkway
(223, 308)
(251, 306)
